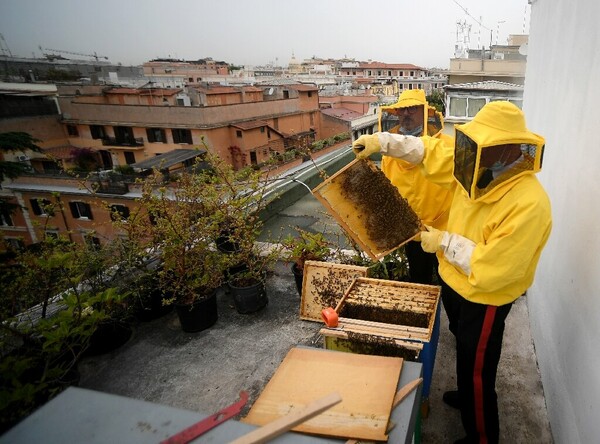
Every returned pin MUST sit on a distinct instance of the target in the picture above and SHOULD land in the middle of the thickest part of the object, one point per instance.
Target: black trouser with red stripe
(478, 329)
(422, 266)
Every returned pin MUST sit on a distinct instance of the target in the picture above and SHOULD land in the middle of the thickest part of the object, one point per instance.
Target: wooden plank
(366, 384)
(288, 422)
(346, 197)
(324, 285)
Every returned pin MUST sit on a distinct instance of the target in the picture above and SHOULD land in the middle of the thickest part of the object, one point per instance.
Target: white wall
(562, 102)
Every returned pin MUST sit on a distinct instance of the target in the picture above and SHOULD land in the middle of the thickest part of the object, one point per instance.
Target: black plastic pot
(152, 307)
(108, 336)
(298, 277)
(199, 315)
(248, 299)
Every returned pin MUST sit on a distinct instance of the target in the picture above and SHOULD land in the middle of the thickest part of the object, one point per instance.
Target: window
(262, 129)
(401, 73)
(474, 105)
(412, 73)
(41, 207)
(238, 134)
(182, 135)
(191, 79)
(117, 210)
(51, 234)
(390, 73)
(156, 135)
(97, 132)
(72, 130)
(310, 94)
(14, 243)
(286, 94)
(81, 210)
(91, 241)
(124, 135)
(458, 106)
(5, 218)
(129, 157)
(253, 159)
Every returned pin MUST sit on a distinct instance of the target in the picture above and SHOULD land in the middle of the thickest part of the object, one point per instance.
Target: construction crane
(94, 55)
(4, 46)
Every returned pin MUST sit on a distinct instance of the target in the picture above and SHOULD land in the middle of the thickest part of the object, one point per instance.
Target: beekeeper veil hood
(411, 116)
(494, 148)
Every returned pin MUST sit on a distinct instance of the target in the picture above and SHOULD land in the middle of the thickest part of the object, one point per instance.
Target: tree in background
(9, 143)
(436, 99)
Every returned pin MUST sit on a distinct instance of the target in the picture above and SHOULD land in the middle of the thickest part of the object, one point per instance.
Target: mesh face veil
(480, 169)
(494, 148)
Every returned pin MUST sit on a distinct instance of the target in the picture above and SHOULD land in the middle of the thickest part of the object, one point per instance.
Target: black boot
(452, 399)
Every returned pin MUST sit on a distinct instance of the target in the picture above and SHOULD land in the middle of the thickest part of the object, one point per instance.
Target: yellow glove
(431, 239)
(366, 145)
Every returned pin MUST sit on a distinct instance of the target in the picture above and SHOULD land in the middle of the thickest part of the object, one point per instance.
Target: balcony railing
(113, 141)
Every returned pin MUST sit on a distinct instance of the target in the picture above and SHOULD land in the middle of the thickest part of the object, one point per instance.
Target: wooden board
(323, 286)
(366, 383)
(369, 208)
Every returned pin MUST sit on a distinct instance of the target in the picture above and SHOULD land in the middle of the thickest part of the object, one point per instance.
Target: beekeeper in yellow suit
(412, 116)
(499, 222)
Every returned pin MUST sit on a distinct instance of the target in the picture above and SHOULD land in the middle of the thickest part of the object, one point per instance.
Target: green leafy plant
(306, 246)
(50, 309)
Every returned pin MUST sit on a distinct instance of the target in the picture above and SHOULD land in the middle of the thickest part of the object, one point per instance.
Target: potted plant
(235, 201)
(305, 246)
(181, 228)
(49, 309)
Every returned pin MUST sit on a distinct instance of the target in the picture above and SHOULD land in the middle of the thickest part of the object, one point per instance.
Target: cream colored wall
(561, 102)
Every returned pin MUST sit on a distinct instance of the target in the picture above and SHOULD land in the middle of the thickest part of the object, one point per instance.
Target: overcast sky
(257, 32)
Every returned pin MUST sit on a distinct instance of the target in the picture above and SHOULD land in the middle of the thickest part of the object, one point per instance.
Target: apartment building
(116, 127)
(389, 79)
(244, 125)
(485, 75)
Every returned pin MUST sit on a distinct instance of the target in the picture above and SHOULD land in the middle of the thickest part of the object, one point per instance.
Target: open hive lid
(323, 285)
(366, 384)
(369, 208)
(388, 309)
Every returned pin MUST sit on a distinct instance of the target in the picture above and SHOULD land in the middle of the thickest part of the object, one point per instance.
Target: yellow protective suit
(430, 201)
(509, 220)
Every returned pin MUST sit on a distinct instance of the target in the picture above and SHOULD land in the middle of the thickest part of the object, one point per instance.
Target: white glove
(458, 250)
(408, 148)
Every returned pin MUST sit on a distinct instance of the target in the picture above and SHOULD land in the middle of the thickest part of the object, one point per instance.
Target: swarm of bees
(389, 220)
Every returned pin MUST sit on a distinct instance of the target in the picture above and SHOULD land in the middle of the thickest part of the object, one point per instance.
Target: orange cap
(330, 317)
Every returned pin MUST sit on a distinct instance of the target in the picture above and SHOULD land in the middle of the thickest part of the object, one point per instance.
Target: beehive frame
(323, 285)
(369, 208)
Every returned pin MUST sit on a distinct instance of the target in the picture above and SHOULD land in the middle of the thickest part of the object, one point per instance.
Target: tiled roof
(380, 65)
(59, 152)
(341, 113)
(250, 125)
(304, 87)
(490, 85)
(218, 90)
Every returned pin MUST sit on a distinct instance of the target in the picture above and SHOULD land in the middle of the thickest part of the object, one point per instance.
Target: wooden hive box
(385, 317)
(369, 208)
